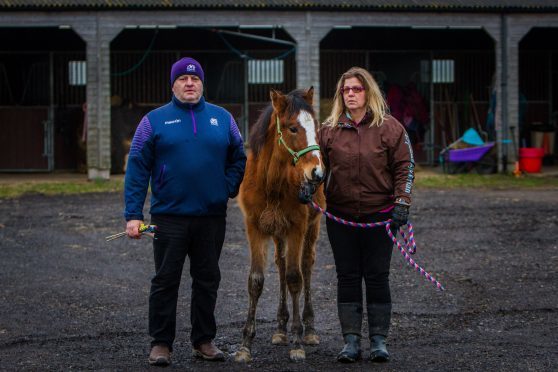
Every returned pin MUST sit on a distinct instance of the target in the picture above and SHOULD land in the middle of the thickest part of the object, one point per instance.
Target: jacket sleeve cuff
(130, 217)
(403, 200)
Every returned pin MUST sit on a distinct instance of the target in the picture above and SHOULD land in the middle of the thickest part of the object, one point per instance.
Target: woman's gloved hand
(399, 216)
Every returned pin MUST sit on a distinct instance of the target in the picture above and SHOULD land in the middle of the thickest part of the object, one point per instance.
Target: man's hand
(399, 216)
(132, 229)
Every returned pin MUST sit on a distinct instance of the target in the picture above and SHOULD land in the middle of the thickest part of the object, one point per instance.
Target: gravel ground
(69, 300)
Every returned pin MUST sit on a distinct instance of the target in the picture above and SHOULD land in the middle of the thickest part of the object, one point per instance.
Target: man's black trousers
(361, 253)
(201, 239)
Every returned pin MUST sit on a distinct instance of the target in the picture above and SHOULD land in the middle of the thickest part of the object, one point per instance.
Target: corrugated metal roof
(431, 5)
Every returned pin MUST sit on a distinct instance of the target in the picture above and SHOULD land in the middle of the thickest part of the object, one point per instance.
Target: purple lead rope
(409, 239)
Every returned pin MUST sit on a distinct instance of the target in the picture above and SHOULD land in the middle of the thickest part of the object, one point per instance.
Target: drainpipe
(431, 135)
(50, 120)
(504, 88)
(245, 107)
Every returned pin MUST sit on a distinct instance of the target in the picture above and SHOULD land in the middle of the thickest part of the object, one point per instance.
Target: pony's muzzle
(306, 192)
(317, 176)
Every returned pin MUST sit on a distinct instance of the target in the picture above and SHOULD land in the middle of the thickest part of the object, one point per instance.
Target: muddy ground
(68, 300)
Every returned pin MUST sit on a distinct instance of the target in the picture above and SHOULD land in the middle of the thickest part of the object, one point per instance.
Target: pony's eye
(293, 129)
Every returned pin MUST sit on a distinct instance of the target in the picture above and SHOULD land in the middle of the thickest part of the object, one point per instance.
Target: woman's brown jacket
(368, 168)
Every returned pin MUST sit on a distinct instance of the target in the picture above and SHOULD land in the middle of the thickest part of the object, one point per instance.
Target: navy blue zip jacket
(194, 156)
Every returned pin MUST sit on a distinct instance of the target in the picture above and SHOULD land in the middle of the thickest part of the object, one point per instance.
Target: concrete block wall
(308, 28)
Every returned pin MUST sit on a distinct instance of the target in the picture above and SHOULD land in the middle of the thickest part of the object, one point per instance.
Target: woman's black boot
(351, 350)
(378, 350)
(379, 318)
(350, 316)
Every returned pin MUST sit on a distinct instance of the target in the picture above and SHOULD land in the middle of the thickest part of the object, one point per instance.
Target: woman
(370, 166)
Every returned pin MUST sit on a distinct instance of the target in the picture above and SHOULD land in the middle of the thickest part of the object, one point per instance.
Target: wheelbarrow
(469, 153)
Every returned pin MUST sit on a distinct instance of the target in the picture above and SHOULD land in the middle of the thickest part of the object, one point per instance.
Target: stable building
(77, 76)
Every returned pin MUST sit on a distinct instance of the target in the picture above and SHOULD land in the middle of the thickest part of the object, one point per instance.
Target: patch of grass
(60, 188)
(493, 181)
(423, 180)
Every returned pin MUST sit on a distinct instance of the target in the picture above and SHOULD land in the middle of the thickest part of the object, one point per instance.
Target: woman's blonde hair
(375, 102)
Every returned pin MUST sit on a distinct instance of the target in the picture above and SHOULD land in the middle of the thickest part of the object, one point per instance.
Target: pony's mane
(258, 133)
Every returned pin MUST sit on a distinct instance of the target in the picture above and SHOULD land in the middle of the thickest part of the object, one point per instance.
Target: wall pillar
(507, 90)
(500, 85)
(308, 36)
(98, 37)
(514, 35)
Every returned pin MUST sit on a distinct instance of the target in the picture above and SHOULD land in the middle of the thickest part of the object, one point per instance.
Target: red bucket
(530, 159)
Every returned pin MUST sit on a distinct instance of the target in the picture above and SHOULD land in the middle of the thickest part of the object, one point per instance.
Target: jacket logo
(213, 121)
(175, 121)
(191, 68)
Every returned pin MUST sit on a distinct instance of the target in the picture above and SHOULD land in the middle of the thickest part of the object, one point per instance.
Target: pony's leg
(280, 337)
(294, 283)
(308, 259)
(258, 255)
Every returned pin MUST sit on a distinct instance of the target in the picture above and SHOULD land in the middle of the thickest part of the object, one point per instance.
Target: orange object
(516, 170)
(530, 159)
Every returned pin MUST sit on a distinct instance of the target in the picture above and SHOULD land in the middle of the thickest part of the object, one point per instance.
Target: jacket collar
(346, 121)
(189, 106)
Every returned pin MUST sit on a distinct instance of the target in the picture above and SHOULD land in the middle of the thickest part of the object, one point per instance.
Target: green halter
(296, 155)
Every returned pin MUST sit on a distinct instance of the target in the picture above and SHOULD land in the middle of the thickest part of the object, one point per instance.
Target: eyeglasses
(355, 89)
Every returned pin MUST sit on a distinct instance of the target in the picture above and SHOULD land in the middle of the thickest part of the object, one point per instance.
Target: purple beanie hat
(186, 66)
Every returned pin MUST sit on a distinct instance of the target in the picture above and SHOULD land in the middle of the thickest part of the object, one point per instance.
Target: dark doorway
(538, 91)
(40, 107)
(437, 81)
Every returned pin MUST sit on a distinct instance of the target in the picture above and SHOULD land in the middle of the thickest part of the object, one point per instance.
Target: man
(192, 154)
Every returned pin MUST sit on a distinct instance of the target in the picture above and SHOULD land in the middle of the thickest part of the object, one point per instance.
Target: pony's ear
(309, 96)
(277, 100)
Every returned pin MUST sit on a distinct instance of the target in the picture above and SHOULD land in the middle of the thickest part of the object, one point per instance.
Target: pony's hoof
(279, 339)
(243, 355)
(311, 339)
(297, 355)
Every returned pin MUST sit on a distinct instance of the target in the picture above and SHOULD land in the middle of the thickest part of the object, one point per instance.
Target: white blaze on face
(307, 122)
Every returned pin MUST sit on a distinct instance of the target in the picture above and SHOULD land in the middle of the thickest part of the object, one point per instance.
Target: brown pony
(284, 163)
